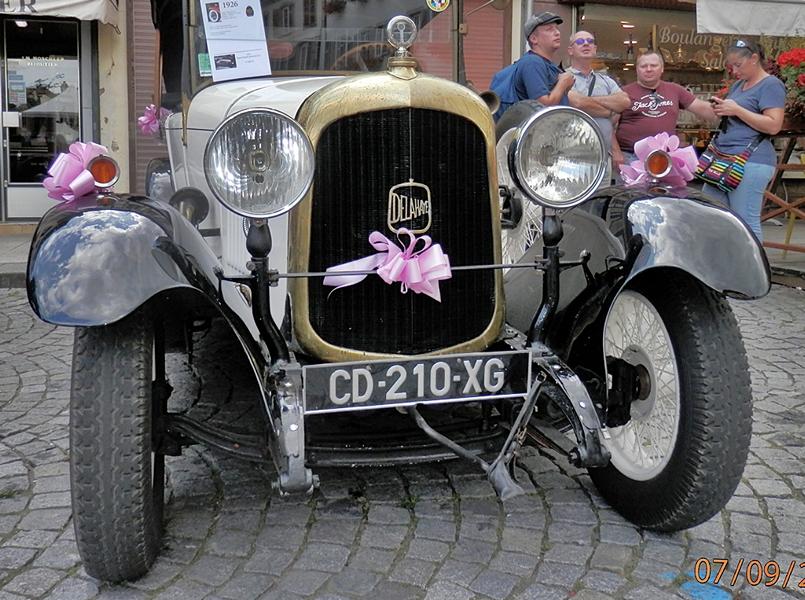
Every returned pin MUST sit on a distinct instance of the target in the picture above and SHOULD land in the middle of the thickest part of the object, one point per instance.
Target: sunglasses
(582, 41)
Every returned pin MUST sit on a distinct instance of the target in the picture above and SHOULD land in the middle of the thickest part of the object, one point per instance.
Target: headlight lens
(259, 163)
(558, 158)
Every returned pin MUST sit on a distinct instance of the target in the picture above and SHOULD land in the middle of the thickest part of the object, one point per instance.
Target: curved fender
(687, 232)
(707, 241)
(95, 260)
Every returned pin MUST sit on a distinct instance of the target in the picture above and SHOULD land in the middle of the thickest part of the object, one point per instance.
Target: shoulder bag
(725, 171)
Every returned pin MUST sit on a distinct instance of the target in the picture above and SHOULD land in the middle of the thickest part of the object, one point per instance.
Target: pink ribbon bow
(149, 122)
(70, 178)
(683, 161)
(417, 270)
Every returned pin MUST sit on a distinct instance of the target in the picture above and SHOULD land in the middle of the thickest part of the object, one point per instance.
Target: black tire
(714, 412)
(117, 501)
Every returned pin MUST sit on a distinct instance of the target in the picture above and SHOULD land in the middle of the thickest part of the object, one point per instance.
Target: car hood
(286, 94)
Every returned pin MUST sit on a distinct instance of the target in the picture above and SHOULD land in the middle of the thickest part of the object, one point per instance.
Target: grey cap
(542, 18)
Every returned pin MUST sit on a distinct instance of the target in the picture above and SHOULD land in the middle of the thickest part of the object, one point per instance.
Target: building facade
(63, 67)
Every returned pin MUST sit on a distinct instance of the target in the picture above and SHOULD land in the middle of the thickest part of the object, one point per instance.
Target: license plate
(405, 382)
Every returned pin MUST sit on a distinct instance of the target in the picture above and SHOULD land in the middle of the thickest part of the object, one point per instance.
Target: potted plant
(792, 71)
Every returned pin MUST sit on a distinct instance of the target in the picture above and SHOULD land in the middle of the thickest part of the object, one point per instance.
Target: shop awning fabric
(105, 11)
(751, 17)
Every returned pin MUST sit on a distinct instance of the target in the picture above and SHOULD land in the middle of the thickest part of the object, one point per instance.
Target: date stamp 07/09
(755, 572)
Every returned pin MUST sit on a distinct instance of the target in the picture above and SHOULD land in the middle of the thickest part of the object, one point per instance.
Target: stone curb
(12, 275)
(788, 276)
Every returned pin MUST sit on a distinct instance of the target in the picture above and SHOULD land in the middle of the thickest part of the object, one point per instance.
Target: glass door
(41, 108)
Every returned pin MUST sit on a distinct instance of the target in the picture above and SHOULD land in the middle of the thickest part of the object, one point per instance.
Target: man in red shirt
(654, 108)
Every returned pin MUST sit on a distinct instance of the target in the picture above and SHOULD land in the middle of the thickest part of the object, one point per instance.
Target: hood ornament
(401, 33)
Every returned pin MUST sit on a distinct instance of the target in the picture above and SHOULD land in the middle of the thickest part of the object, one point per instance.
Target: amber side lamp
(104, 170)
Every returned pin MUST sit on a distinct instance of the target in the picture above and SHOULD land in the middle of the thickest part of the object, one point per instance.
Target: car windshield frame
(351, 41)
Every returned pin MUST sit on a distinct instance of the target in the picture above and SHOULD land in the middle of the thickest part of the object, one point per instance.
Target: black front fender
(629, 232)
(97, 259)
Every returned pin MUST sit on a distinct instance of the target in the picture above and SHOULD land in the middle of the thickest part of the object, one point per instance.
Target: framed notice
(236, 39)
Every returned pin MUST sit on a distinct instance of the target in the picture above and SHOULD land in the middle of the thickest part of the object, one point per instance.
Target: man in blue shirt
(537, 77)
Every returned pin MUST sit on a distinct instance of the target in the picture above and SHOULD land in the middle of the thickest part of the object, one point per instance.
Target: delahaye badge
(409, 207)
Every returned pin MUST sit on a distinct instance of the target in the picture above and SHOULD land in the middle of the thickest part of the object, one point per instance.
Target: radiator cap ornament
(401, 33)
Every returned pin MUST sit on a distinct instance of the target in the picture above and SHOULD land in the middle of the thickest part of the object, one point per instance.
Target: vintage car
(407, 283)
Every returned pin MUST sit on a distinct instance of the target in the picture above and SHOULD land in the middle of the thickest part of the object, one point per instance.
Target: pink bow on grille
(683, 161)
(149, 122)
(70, 178)
(417, 270)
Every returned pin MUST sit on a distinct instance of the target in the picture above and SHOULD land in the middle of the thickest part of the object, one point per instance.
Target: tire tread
(110, 442)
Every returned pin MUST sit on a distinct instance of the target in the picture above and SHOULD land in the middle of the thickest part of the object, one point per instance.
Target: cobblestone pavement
(433, 532)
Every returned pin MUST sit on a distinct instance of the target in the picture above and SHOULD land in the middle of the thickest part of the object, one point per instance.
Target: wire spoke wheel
(635, 333)
(527, 232)
(517, 241)
(679, 458)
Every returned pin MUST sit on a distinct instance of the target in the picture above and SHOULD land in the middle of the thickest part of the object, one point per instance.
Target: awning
(751, 17)
(105, 11)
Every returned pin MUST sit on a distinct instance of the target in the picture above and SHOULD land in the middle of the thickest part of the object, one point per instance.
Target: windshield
(310, 36)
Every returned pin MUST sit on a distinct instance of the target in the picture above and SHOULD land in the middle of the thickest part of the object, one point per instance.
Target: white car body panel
(209, 108)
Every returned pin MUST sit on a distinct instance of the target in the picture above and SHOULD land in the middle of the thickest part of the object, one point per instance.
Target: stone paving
(433, 532)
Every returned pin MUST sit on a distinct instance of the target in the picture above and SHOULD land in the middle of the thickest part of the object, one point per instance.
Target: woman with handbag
(741, 159)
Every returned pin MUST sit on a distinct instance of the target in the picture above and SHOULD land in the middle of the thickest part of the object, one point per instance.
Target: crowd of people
(751, 111)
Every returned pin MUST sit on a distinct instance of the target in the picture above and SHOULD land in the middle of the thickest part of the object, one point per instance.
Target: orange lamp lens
(104, 170)
(657, 164)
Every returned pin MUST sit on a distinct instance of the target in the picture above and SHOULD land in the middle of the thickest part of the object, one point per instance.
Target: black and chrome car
(597, 312)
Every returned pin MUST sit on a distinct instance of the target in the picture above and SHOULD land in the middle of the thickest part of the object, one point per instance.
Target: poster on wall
(236, 39)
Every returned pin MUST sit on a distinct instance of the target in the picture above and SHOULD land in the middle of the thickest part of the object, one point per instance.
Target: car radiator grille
(358, 159)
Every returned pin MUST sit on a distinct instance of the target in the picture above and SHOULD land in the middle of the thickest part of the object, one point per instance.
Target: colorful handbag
(725, 171)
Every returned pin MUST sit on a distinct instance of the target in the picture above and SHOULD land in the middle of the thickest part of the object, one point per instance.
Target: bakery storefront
(47, 91)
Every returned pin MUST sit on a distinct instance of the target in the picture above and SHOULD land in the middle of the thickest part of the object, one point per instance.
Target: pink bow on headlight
(683, 161)
(70, 178)
(417, 270)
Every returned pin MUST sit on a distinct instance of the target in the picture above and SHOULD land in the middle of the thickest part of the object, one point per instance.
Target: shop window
(310, 18)
(690, 58)
(283, 16)
(43, 88)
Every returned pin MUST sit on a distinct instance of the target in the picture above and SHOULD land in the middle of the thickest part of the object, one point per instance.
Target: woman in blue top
(754, 106)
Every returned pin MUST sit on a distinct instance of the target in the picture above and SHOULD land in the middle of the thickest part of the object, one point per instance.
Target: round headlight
(259, 163)
(558, 158)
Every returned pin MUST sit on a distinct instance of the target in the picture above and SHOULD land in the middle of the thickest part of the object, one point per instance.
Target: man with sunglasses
(543, 83)
(595, 93)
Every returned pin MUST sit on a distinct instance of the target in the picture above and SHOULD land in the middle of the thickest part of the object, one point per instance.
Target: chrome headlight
(259, 163)
(558, 158)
